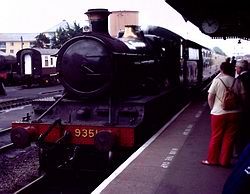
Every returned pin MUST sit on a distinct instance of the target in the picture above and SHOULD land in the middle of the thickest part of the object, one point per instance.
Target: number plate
(86, 133)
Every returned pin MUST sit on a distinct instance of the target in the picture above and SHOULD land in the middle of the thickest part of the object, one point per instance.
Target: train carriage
(37, 66)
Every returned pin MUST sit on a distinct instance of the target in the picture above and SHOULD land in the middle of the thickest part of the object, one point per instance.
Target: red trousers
(223, 133)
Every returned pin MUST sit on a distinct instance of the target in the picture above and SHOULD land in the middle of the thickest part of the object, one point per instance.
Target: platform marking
(198, 114)
(169, 158)
(188, 129)
(205, 104)
(108, 180)
(247, 170)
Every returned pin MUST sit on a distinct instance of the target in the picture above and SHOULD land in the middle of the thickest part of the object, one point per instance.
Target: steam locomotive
(118, 92)
(8, 67)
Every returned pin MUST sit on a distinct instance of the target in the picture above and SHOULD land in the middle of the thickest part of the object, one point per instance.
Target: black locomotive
(8, 68)
(118, 92)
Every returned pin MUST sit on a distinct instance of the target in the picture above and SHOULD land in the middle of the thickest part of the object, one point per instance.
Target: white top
(218, 89)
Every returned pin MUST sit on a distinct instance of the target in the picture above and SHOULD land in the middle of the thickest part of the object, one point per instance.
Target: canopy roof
(216, 18)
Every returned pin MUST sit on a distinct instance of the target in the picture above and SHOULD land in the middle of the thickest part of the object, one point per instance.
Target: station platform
(170, 162)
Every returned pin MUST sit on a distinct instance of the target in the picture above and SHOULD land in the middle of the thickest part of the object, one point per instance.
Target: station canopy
(220, 19)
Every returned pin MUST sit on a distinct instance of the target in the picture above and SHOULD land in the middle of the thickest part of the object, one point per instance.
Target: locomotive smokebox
(98, 20)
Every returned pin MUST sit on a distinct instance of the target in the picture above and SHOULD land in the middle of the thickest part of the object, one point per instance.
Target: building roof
(218, 19)
(47, 51)
(62, 24)
(15, 37)
(42, 51)
(3, 53)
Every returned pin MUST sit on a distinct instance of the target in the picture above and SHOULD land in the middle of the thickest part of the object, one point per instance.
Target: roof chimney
(98, 19)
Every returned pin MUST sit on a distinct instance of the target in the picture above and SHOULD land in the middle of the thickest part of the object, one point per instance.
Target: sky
(35, 16)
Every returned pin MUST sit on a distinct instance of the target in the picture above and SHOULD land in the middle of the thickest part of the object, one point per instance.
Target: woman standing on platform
(224, 123)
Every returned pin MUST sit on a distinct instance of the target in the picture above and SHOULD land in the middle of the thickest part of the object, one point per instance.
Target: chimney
(98, 19)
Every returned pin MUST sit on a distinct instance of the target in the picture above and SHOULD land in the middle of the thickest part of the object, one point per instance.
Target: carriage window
(51, 61)
(193, 54)
(46, 61)
(2, 45)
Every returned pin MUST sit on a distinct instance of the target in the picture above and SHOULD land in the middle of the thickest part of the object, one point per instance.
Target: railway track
(21, 101)
(58, 183)
(6, 147)
(30, 187)
(5, 141)
(12, 103)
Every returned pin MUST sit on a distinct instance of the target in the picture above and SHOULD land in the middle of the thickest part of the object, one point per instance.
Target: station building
(11, 43)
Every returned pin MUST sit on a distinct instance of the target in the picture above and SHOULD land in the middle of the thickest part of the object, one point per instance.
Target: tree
(218, 51)
(42, 41)
(59, 38)
(64, 34)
